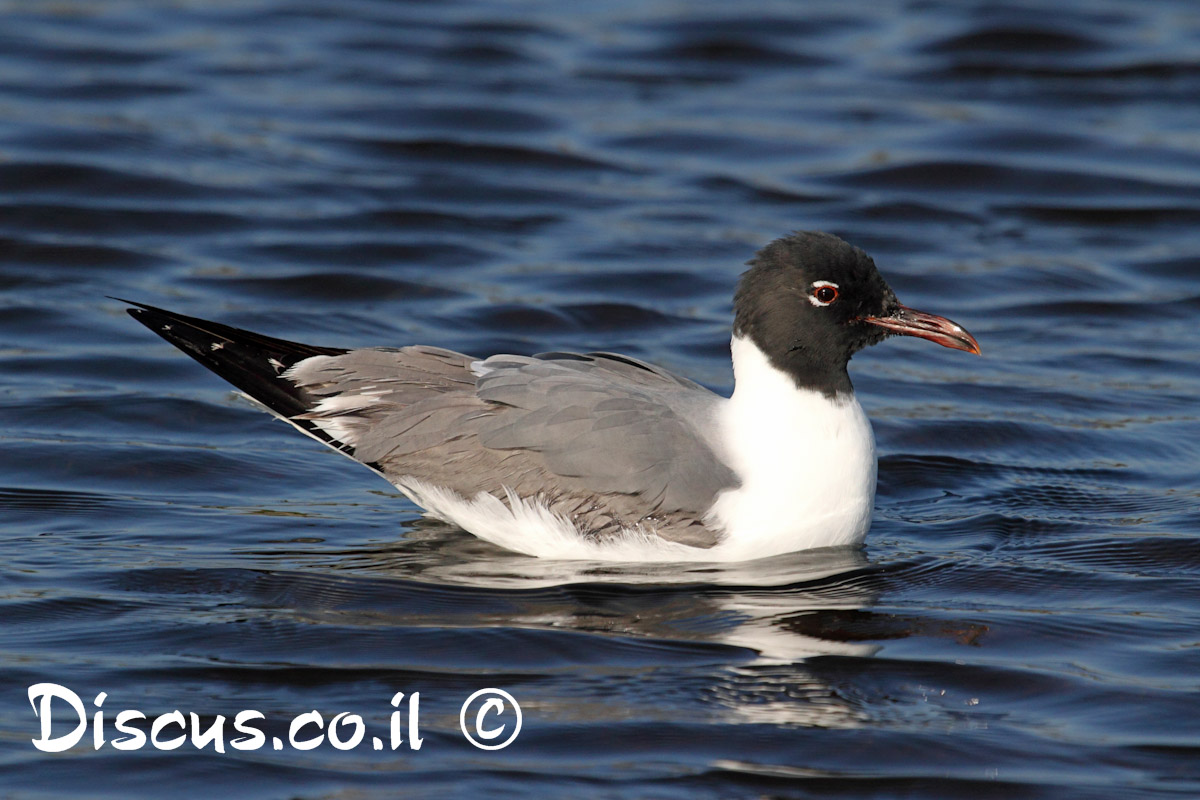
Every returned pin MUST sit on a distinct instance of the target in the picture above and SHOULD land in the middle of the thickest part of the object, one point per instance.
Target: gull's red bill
(910, 322)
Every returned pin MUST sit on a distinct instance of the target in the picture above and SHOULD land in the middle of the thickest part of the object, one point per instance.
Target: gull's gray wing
(606, 440)
(613, 423)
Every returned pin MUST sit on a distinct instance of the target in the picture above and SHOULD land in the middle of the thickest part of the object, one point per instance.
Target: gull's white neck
(806, 463)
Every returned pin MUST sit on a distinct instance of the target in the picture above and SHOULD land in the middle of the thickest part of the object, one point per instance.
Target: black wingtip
(252, 362)
(141, 309)
(140, 306)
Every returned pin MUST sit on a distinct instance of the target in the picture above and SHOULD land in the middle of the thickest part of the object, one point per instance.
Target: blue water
(1024, 620)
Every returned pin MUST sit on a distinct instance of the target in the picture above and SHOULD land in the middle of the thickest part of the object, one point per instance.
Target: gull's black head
(811, 301)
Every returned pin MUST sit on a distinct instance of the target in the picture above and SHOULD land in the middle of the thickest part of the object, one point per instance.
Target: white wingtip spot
(217, 345)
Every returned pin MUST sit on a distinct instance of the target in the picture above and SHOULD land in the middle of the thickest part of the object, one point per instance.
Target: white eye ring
(812, 295)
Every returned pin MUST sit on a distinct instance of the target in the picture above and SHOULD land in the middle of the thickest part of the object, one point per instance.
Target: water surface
(525, 177)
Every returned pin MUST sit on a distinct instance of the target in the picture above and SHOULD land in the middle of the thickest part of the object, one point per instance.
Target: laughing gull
(600, 455)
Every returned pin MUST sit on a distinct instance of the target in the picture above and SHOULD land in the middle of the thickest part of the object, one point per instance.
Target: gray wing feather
(565, 426)
(617, 424)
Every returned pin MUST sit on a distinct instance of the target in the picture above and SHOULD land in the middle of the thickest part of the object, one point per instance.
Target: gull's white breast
(806, 464)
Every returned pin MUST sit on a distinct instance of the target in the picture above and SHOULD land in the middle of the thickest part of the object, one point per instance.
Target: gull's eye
(823, 293)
